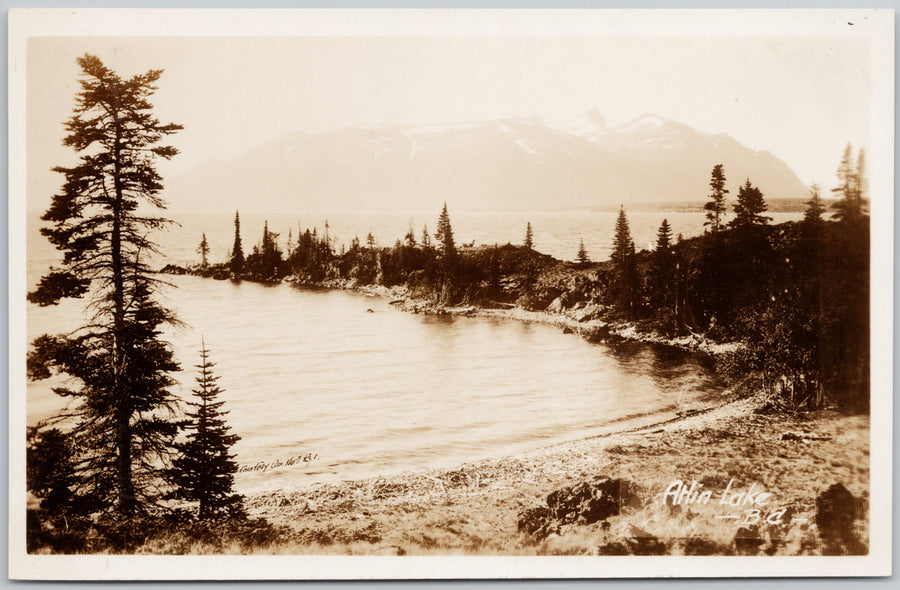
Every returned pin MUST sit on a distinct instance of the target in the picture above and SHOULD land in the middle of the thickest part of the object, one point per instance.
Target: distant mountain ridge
(515, 163)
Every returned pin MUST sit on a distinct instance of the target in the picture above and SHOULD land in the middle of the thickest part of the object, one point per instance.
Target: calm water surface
(313, 372)
(386, 391)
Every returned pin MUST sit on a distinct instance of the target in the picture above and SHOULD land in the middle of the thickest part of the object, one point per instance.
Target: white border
(877, 26)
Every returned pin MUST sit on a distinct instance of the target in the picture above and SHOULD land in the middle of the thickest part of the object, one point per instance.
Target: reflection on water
(376, 393)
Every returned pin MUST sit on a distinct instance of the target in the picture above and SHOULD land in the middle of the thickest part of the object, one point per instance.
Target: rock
(582, 503)
(173, 269)
(568, 330)
(747, 540)
(613, 548)
(556, 306)
(638, 541)
(836, 511)
(536, 523)
(370, 311)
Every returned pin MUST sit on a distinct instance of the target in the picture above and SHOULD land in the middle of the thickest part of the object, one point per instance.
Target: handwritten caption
(303, 460)
(749, 506)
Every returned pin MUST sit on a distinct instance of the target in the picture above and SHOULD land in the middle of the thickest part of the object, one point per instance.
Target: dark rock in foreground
(583, 503)
(836, 511)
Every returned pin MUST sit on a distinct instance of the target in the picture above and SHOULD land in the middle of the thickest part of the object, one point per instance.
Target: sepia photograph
(546, 293)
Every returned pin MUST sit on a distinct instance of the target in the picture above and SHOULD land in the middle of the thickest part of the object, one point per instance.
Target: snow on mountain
(516, 163)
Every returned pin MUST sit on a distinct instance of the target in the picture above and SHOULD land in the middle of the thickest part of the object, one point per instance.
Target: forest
(793, 295)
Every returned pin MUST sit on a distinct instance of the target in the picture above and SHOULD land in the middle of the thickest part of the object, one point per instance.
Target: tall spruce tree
(625, 278)
(529, 236)
(204, 469)
(663, 273)
(715, 208)
(852, 186)
(448, 257)
(444, 235)
(118, 363)
(203, 251)
(237, 251)
(426, 238)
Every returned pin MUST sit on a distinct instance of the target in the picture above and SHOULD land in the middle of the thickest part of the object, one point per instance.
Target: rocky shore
(636, 492)
(582, 318)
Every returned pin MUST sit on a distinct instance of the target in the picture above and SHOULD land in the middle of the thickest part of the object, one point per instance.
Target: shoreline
(575, 320)
(504, 505)
(484, 506)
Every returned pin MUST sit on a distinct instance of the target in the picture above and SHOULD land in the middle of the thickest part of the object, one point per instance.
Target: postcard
(430, 294)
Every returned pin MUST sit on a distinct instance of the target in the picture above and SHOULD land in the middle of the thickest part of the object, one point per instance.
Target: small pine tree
(204, 469)
(237, 251)
(749, 207)
(715, 208)
(370, 241)
(582, 256)
(203, 250)
(529, 236)
(426, 237)
(410, 238)
(815, 207)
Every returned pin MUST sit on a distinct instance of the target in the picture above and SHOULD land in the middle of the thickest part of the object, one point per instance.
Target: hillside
(516, 164)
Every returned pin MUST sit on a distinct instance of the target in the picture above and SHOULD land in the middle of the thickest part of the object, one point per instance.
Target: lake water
(383, 392)
(314, 373)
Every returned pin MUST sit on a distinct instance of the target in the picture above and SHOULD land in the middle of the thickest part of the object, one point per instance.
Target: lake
(315, 375)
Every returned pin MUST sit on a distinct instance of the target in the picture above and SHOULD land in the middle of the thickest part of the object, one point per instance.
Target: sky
(801, 98)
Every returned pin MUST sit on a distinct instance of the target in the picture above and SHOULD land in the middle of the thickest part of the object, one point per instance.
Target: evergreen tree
(582, 256)
(370, 241)
(625, 278)
(448, 259)
(852, 185)
(118, 364)
(529, 236)
(663, 274)
(203, 250)
(237, 252)
(749, 207)
(815, 207)
(410, 238)
(715, 208)
(426, 237)
(265, 262)
(444, 235)
(204, 469)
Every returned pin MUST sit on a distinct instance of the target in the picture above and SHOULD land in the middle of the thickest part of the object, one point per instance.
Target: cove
(321, 389)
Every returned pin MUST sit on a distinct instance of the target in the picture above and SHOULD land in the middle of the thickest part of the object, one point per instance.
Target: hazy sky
(801, 98)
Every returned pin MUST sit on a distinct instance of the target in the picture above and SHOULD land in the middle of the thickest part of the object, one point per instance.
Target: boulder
(747, 540)
(556, 306)
(836, 511)
(582, 503)
(537, 523)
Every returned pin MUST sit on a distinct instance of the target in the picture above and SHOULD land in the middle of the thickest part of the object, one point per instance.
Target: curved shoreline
(697, 418)
(478, 507)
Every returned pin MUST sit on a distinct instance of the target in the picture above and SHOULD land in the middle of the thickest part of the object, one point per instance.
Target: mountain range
(516, 163)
